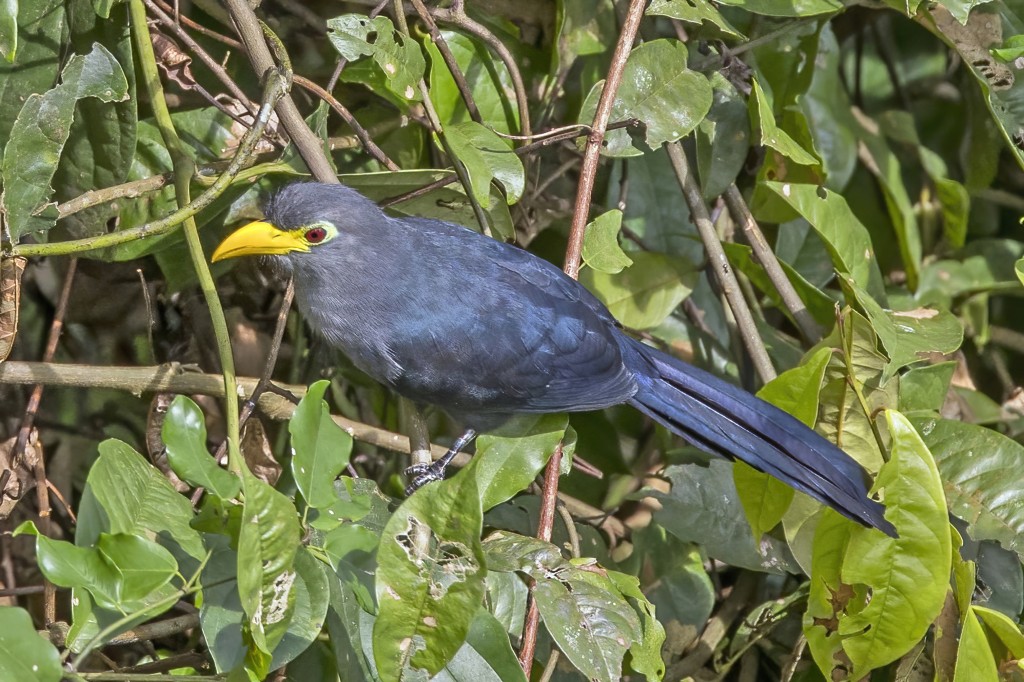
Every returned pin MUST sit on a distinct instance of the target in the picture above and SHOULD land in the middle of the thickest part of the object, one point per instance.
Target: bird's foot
(421, 474)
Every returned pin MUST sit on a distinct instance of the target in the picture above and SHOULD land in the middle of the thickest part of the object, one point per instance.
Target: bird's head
(302, 224)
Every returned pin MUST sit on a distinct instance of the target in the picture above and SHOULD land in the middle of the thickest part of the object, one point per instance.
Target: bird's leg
(422, 474)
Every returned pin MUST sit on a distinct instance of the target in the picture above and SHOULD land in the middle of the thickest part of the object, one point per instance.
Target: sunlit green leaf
(320, 448)
(486, 157)
(398, 57)
(184, 434)
(768, 133)
(907, 577)
(601, 250)
(658, 89)
(430, 578)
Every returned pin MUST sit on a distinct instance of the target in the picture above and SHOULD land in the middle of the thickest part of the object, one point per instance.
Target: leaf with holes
(430, 578)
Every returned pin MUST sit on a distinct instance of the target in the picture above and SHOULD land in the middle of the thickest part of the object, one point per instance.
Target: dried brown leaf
(21, 479)
(10, 298)
(154, 439)
(257, 453)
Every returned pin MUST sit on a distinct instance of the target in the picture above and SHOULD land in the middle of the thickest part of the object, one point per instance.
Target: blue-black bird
(485, 330)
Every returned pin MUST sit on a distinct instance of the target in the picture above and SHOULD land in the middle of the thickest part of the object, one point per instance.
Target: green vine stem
(184, 168)
(275, 88)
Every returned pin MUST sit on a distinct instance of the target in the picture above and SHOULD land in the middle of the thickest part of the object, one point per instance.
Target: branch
(766, 257)
(573, 252)
(724, 275)
(306, 141)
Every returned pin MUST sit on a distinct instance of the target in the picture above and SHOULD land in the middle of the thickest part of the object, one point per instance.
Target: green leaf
(489, 81)
(24, 655)
(974, 660)
(925, 388)
(658, 89)
(101, 145)
(601, 250)
(448, 203)
(66, 565)
(697, 13)
(818, 303)
(143, 566)
(41, 26)
(722, 139)
(9, 29)
(788, 8)
(769, 134)
(430, 578)
(765, 498)
(398, 57)
(980, 471)
(125, 494)
(885, 166)
(222, 610)
(585, 612)
(486, 655)
(847, 240)
(909, 336)
(508, 460)
(267, 542)
(645, 653)
(184, 435)
(881, 594)
(853, 393)
(40, 131)
(1012, 48)
(320, 448)
(1005, 630)
(592, 624)
(584, 28)
(645, 293)
(703, 508)
(486, 157)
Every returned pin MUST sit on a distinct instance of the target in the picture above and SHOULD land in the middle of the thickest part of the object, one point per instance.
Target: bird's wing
(501, 330)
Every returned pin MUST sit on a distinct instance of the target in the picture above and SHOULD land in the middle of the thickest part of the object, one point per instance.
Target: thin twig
(764, 255)
(592, 153)
(724, 275)
(25, 433)
(212, 64)
(544, 528)
(368, 144)
(249, 406)
(456, 15)
(573, 252)
(309, 145)
(449, 59)
(442, 136)
(183, 168)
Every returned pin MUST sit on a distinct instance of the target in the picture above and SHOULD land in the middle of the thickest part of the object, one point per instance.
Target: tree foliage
(862, 165)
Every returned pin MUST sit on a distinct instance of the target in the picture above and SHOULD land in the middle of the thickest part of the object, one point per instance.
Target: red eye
(315, 235)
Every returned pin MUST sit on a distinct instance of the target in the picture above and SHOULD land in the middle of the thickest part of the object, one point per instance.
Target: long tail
(721, 418)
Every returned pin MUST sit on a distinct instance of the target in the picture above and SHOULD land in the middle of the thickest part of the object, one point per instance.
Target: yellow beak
(259, 239)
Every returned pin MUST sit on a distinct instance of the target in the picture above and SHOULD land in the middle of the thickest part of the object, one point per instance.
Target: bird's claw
(421, 474)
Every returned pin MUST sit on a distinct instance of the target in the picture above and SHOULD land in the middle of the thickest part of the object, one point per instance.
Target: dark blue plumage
(484, 330)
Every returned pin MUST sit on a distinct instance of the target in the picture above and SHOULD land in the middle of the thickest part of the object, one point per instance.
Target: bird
(485, 330)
